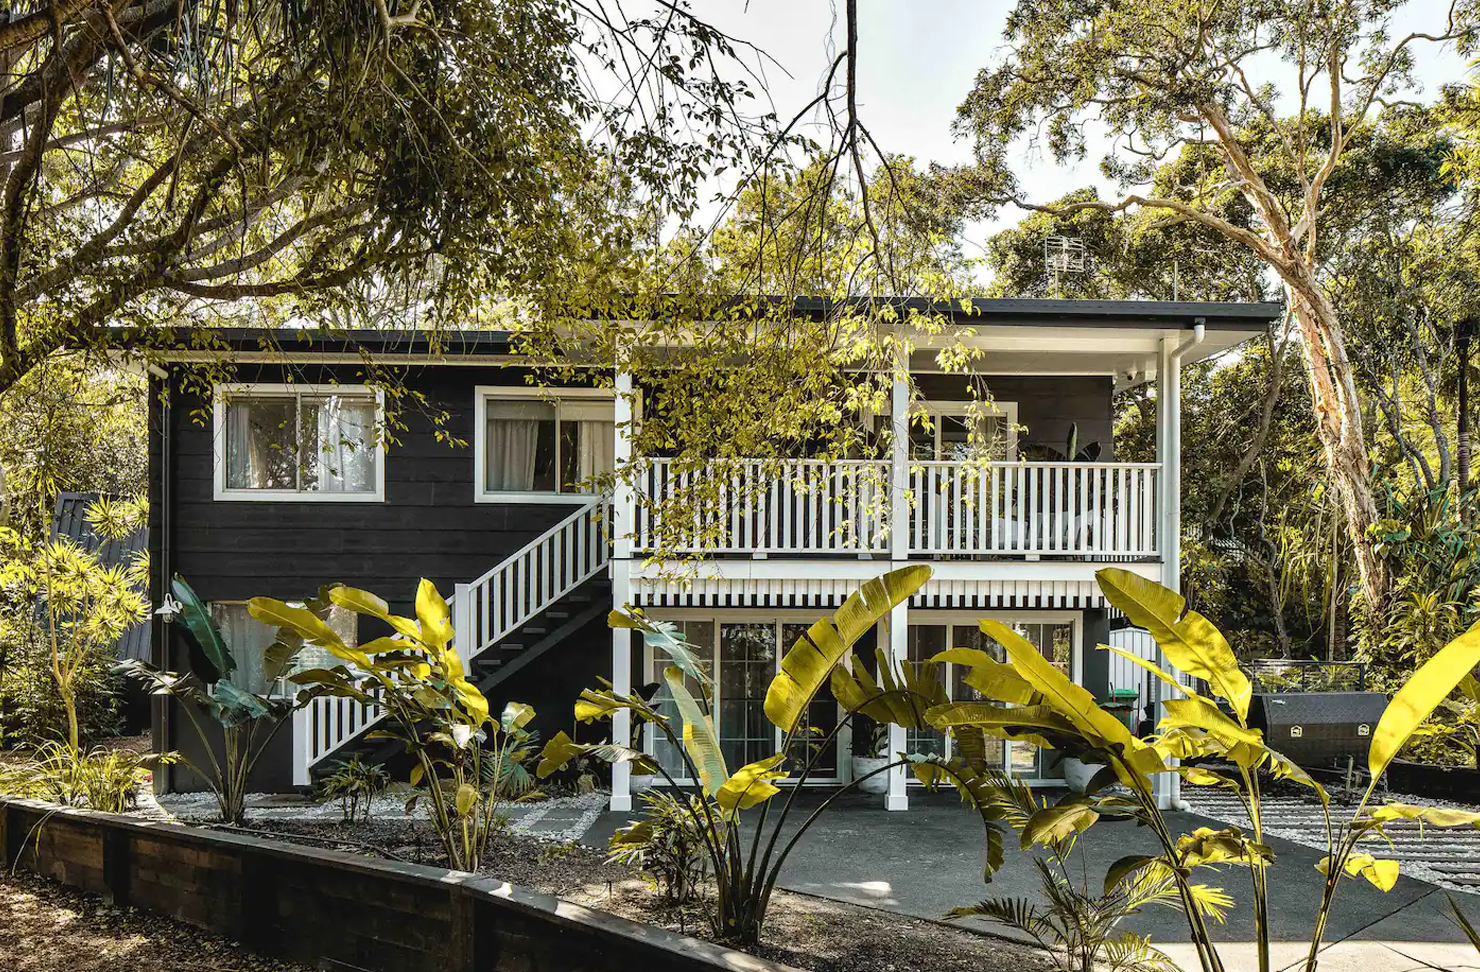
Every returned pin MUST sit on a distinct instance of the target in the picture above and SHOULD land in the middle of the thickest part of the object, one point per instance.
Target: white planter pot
(864, 765)
(642, 782)
(1078, 773)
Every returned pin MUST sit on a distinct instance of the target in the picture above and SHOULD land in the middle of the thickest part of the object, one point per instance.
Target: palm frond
(1019, 913)
(1129, 952)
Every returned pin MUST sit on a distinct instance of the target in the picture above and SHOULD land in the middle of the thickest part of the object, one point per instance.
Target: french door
(1057, 636)
(741, 655)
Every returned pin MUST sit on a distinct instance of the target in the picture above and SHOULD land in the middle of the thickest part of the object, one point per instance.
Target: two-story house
(273, 484)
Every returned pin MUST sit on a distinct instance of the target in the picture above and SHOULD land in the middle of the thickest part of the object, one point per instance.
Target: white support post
(899, 627)
(899, 473)
(1167, 786)
(465, 637)
(621, 572)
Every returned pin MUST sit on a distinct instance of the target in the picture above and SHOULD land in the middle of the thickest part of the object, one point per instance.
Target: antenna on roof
(1062, 254)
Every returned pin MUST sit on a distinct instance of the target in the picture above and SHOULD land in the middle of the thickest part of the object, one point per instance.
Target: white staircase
(484, 613)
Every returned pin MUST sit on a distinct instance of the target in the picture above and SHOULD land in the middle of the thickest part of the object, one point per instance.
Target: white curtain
(511, 444)
(247, 639)
(597, 450)
(242, 472)
(345, 460)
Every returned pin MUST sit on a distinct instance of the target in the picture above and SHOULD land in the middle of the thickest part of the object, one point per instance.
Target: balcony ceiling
(1127, 353)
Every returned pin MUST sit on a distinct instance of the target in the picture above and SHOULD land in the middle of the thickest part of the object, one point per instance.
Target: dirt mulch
(807, 932)
(45, 927)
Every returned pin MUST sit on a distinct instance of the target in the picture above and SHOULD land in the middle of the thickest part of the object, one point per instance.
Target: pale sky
(916, 63)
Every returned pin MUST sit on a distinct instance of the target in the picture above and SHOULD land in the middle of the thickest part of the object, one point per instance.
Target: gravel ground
(556, 818)
(45, 927)
(803, 931)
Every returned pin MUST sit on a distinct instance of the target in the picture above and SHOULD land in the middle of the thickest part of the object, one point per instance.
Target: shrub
(468, 764)
(31, 709)
(355, 783)
(103, 779)
(667, 844)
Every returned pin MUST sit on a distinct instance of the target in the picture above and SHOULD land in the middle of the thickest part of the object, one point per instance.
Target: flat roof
(993, 312)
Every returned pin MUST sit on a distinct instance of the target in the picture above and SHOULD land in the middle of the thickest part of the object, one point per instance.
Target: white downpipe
(1168, 786)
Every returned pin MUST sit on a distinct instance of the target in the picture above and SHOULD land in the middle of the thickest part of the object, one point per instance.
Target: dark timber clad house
(259, 486)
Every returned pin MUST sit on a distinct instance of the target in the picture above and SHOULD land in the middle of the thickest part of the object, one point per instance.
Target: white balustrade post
(466, 638)
(623, 508)
(899, 626)
(302, 743)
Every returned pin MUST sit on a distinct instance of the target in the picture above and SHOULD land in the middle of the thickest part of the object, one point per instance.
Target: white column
(621, 572)
(899, 474)
(1168, 786)
(899, 627)
(302, 727)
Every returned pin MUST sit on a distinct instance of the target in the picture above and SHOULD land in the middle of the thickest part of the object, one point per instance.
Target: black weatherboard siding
(427, 526)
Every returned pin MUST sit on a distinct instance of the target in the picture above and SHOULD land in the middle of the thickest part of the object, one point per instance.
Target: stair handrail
(485, 611)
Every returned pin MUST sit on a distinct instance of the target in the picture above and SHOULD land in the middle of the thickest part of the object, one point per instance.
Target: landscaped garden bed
(801, 930)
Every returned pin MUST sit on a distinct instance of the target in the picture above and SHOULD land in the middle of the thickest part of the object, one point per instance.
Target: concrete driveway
(930, 859)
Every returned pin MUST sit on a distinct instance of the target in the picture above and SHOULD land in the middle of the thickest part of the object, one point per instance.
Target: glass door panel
(925, 641)
(699, 634)
(747, 663)
(820, 719)
(1055, 640)
(970, 636)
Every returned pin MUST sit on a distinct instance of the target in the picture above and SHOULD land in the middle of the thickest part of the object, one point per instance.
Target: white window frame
(1006, 410)
(481, 396)
(226, 390)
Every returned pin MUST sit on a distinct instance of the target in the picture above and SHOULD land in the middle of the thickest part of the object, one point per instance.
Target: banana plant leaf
(210, 659)
(809, 663)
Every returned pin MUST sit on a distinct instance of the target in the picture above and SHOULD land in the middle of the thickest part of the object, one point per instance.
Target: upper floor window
(301, 442)
(538, 448)
(965, 431)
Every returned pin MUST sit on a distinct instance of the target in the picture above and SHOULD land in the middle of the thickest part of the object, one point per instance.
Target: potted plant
(870, 754)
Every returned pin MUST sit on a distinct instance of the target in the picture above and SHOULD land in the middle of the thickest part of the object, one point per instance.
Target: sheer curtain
(345, 461)
(260, 449)
(511, 444)
(597, 450)
(241, 471)
(247, 639)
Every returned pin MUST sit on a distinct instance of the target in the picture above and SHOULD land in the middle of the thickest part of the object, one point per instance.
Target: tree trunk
(1338, 418)
(1462, 346)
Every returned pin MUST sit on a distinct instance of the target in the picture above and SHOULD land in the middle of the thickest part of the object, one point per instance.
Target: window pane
(699, 634)
(339, 444)
(747, 663)
(519, 447)
(924, 641)
(261, 443)
(587, 450)
(820, 719)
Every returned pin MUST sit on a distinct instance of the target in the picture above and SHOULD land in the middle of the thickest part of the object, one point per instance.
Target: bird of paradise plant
(746, 862)
(1030, 700)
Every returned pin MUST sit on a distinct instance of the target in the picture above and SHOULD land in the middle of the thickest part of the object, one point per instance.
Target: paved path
(930, 859)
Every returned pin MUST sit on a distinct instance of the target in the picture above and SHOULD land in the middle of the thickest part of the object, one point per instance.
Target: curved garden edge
(310, 905)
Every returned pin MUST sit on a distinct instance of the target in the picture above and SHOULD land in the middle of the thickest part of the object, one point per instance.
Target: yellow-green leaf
(417, 772)
(809, 663)
(1201, 714)
(466, 797)
(1124, 868)
(431, 611)
(1433, 816)
(1383, 874)
(995, 680)
(751, 785)
(699, 739)
(516, 715)
(1153, 668)
(1063, 820)
(1420, 695)
(1189, 640)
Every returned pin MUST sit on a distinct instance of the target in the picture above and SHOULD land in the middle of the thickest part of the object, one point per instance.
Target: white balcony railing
(998, 510)
(1035, 509)
(764, 507)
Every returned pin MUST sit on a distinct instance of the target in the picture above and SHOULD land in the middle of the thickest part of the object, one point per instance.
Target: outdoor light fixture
(168, 609)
